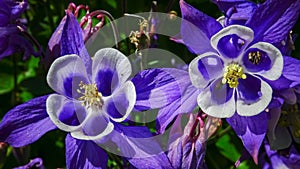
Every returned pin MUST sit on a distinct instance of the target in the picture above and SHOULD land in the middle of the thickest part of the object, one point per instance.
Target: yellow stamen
(233, 72)
(91, 95)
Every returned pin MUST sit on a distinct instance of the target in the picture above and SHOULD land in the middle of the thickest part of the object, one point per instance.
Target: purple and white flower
(96, 95)
(232, 76)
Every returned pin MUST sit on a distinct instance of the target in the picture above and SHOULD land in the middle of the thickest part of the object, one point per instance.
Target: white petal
(115, 61)
(123, 100)
(197, 77)
(241, 31)
(224, 110)
(93, 127)
(64, 68)
(275, 57)
(252, 109)
(55, 106)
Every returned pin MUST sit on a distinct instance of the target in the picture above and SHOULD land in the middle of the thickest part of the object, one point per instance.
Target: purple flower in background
(231, 76)
(285, 159)
(11, 29)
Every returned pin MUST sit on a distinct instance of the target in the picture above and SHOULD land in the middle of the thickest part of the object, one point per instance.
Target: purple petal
(34, 163)
(65, 75)
(273, 20)
(65, 113)
(220, 93)
(110, 69)
(197, 28)
(249, 89)
(72, 40)
(53, 49)
(140, 148)
(251, 131)
(272, 54)
(217, 107)
(84, 154)
(121, 103)
(231, 46)
(205, 68)
(244, 108)
(263, 64)
(26, 123)
(156, 88)
(231, 40)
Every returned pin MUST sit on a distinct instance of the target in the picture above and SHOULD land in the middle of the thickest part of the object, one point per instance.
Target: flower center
(290, 116)
(91, 95)
(232, 74)
(255, 57)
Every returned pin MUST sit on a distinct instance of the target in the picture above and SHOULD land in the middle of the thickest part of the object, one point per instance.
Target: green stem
(219, 135)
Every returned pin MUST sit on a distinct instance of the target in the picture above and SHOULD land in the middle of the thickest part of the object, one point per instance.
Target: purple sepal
(197, 28)
(36, 163)
(84, 154)
(139, 147)
(239, 13)
(224, 5)
(185, 104)
(156, 88)
(26, 123)
(290, 75)
(273, 20)
(67, 39)
(251, 130)
(53, 49)
(72, 40)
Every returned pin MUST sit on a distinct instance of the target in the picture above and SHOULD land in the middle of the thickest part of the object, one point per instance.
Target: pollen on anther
(90, 95)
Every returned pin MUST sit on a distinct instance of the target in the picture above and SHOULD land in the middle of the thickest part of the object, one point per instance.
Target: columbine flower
(93, 95)
(231, 76)
(263, 23)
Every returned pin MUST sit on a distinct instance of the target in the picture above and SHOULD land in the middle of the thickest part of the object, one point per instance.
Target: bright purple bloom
(95, 95)
(230, 77)
(79, 90)
(218, 49)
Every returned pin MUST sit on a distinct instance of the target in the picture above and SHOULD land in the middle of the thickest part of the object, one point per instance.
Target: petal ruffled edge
(197, 79)
(241, 31)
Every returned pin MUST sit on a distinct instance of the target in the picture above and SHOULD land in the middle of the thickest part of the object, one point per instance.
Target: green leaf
(228, 149)
(7, 83)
